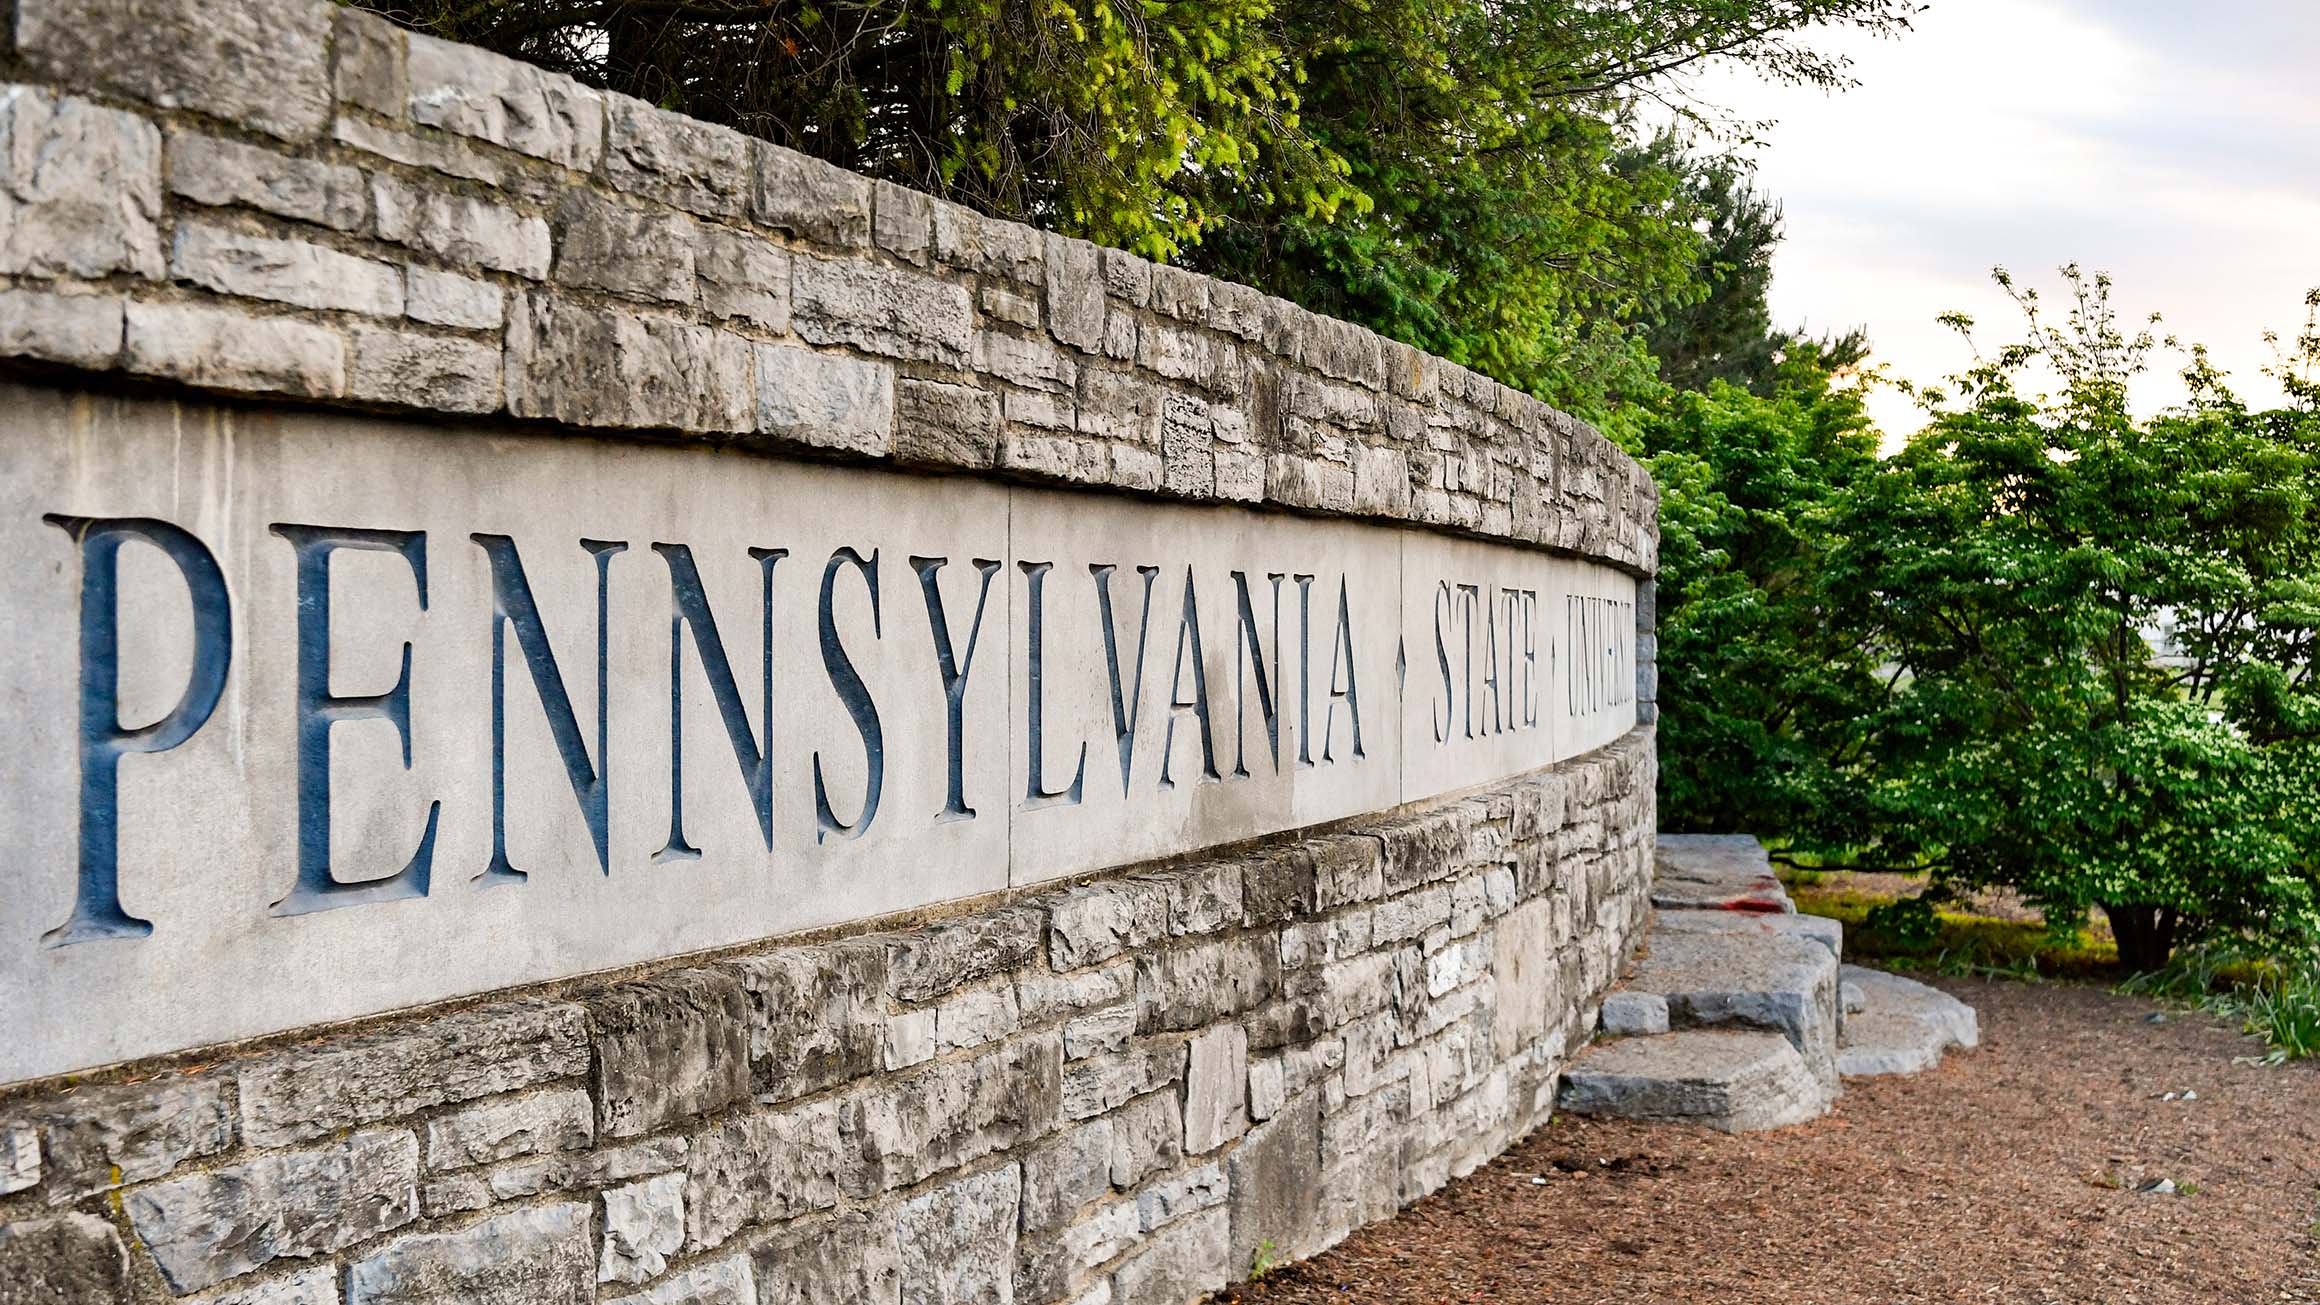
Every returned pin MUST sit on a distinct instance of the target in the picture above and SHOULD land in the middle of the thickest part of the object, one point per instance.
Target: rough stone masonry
(1050, 1086)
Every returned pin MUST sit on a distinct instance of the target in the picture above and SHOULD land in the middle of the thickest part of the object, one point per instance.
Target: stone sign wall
(481, 537)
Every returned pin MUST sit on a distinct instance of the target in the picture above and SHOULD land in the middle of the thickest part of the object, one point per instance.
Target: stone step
(1735, 1080)
(1775, 980)
(1720, 872)
(1901, 1027)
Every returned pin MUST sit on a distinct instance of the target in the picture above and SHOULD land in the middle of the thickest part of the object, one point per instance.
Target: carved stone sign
(309, 716)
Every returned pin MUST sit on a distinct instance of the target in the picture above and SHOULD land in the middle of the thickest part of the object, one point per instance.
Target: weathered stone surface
(1902, 1026)
(1187, 987)
(208, 170)
(903, 223)
(1180, 1262)
(449, 299)
(945, 425)
(1276, 1188)
(1058, 1265)
(222, 349)
(19, 1158)
(742, 277)
(83, 330)
(1726, 872)
(956, 1244)
(622, 249)
(208, 1227)
(668, 1049)
(948, 1115)
(449, 375)
(1523, 963)
(910, 1039)
(100, 1138)
(1075, 293)
(1634, 1014)
(809, 198)
(848, 1257)
(66, 1259)
(284, 270)
(1147, 1137)
(510, 104)
(644, 1224)
(316, 1286)
(314, 1092)
(1757, 980)
(263, 66)
(592, 367)
(80, 187)
(578, 1170)
(1216, 1089)
(1728, 1079)
(538, 1253)
(931, 961)
(1105, 1030)
(728, 1281)
(824, 399)
(884, 310)
(815, 1017)
(560, 1119)
(761, 1168)
(677, 160)
(1101, 921)
(461, 228)
(1171, 1198)
(372, 71)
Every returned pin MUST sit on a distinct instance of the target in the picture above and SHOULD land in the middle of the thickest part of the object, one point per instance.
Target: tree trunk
(2146, 934)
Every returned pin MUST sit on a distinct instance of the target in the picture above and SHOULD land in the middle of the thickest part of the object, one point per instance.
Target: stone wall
(1131, 1090)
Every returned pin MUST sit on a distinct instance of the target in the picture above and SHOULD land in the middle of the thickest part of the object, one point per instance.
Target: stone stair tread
(1758, 979)
(1903, 1026)
(1814, 928)
(1730, 1079)
(1722, 872)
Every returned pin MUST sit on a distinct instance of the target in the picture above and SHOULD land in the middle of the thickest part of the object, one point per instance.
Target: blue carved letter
(855, 695)
(692, 609)
(954, 669)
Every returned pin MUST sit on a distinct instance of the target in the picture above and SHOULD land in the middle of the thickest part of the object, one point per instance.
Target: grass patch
(1958, 943)
(2274, 996)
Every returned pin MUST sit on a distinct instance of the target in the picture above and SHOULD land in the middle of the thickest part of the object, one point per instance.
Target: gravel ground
(2006, 1175)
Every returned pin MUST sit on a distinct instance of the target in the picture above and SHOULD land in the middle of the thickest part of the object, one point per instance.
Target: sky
(2174, 144)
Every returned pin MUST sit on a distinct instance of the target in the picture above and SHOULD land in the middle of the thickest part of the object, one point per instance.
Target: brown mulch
(2006, 1175)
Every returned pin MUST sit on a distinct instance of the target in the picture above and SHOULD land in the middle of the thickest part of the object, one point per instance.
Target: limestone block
(824, 399)
(910, 1039)
(1053, 1265)
(66, 1259)
(222, 173)
(890, 311)
(1043, 995)
(1147, 1137)
(223, 349)
(1634, 1014)
(1216, 1089)
(945, 425)
(316, 1286)
(461, 228)
(848, 1257)
(1275, 1187)
(1075, 293)
(1127, 277)
(693, 165)
(208, 1227)
(514, 105)
(931, 961)
(1089, 925)
(82, 330)
(761, 1168)
(316, 1091)
(1024, 360)
(1190, 987)
(536, 1255)
(501, 1128)
(976, 1017)
(946, 1115)
(815, 1017)
(371, 71)
(591, 367)
(80, 187)
(453, 156)
(903, 222)
(449, 299)
(966, 239)
(263, 65)
(1171, 1198)
(728, 1281)
(636, 253)
(809, 198)
(644, 1224)
(956, 1244)
(577, 1170)
(1728, 1079)
(100, 1138)
(19, 1158)
(428, 371)
(1179, 293)
(1104, 1031)
(667, 1049)
(1003, 305)
(1181, 1262)
(742, 277)
(1064, 1174)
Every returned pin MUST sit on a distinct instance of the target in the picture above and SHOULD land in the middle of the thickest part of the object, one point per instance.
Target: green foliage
(2273, 992)
(1910, 922)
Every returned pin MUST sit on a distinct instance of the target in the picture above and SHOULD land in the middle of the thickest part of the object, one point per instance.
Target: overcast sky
(2172, 143)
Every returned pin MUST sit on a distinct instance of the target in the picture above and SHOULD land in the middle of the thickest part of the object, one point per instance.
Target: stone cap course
(291, 199)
